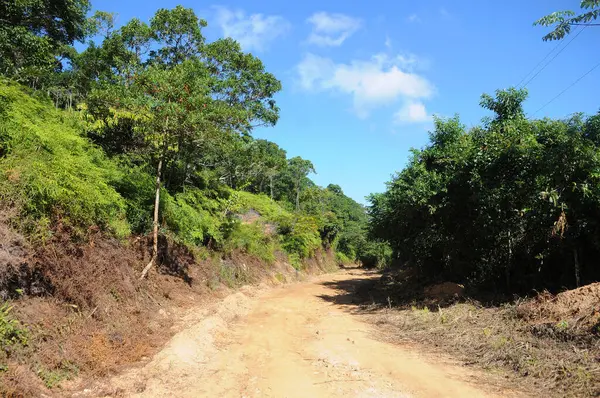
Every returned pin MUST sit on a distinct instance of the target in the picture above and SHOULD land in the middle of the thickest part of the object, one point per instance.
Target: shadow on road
(363, 293)
(368, 291)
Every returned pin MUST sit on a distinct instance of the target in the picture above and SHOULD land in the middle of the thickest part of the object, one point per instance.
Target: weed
(562, 325)
(54, 173)
(11, 331)
(53, 378)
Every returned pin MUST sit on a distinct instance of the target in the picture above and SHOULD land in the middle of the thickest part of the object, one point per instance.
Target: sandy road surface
(294, 341)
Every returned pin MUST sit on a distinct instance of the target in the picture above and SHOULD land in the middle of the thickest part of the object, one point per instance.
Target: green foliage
(195, 217)
(49, 171)
(137, 188)
(269, 210)
(513, 203)
(53, 377)
(342, 259)
(300, 236)
(562, 21)
(251, 239)
(35, 33)
(373, 254)
(11, 331)
(155, 103)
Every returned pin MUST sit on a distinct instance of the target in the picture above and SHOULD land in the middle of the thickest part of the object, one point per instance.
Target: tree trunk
(508, 263)
(271, 185)
(155, 224)
(576, 262)
(297, 197)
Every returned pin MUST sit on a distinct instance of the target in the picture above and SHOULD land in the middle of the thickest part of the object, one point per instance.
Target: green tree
(299, 169)
(35, 36)
(512, 203)
(562, 21)
(181, 95)
(272, 160)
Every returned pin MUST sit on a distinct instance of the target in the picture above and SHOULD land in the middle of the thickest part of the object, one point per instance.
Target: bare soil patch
(548, 345)
(84, 313)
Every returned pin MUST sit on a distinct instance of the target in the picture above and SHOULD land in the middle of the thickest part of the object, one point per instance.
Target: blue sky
(362, 79)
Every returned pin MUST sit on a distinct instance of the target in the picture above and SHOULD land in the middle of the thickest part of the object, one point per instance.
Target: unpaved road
(296, 341)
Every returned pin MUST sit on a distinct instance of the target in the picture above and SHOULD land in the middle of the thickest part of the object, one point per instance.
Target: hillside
(70, 263)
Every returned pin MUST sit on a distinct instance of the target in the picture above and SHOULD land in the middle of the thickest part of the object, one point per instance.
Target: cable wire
(553, 58)
(571, 85)
(539, 63)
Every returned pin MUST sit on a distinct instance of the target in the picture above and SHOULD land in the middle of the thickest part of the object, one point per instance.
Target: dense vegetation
(149, 128)
(513, 203)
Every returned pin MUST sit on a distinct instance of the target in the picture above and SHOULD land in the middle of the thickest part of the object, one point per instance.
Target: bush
(251, 239)
(192, 217)
(342, 259)
(300, 236)
(270, 210)
(50, 172)
(12, 333)
(138, 188)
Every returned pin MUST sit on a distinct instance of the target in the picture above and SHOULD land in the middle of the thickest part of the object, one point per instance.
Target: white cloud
(412, 112)
(372, 83)
(331, 30)
(414, 18)
(253, 32)
(388, 43)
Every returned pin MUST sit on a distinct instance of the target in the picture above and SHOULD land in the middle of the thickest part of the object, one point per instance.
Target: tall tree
(299, 169)
(182, 95)
(35, 36)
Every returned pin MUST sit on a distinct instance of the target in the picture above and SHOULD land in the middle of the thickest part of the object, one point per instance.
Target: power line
(553, 58)
(539, 63)
(571, 85)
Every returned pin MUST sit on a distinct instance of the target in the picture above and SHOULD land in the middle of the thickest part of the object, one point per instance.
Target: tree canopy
(513, 203)
(563, 21)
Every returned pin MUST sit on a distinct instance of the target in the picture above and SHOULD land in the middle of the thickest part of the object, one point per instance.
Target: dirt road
(295, 341)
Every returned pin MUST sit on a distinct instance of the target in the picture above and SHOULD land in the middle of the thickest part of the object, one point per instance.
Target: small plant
(53, 378)
(11, 330)
(295, 261)
(251, 239)
(443, 318)
(562, 326)
(420, 311)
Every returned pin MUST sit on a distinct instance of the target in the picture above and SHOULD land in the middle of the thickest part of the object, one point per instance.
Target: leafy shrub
(270, 210)
(190, 224)
(137, 187)
(11, 331)
(251, 239)
(50, 172)
(341, 258)
(300, 236)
